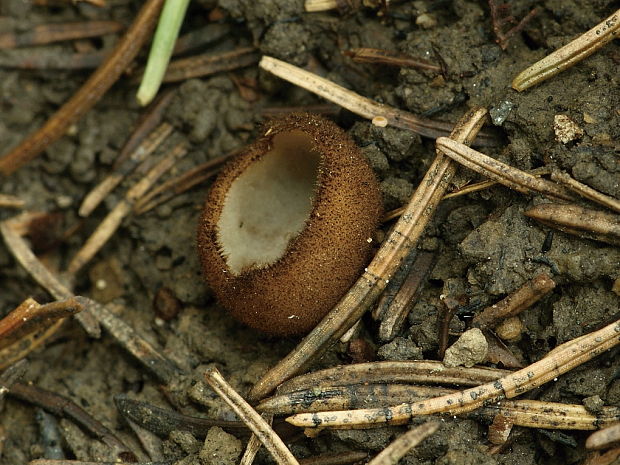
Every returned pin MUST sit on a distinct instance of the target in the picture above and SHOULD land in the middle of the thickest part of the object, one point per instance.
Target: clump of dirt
(485, 247)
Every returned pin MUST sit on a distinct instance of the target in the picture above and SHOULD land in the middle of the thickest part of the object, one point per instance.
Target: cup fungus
(287, 224)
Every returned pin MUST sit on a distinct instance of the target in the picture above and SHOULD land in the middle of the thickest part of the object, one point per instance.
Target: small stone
(566, 130)
(185, 441)
(500, 112)
(594, 404)
(64, 201)
(510, 329)
(401, 348)
(166, 304)
(220, 448)
(469, 349)
(201, 393)
(589, 119)
(426, 21)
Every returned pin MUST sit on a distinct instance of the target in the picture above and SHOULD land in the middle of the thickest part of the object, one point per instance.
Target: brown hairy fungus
(287, 225)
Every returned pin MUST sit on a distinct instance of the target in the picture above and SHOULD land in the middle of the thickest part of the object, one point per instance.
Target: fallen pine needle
(251, 418)
(559, 361)
(572, 53)
(404, 443)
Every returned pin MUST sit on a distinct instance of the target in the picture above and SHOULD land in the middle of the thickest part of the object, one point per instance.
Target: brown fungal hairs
(286, 227)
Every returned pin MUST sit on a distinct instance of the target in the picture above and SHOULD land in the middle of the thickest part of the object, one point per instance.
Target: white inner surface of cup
(269, 203)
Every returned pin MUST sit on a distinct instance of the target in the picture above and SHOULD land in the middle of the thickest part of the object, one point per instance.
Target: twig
(572, 53)
(386, 57)
(181, 183)
(340, 458)
(112, 221)
(404, 443)
(487, 184)
(139, 154)
(479, 186)
(63, 407)
(505, 174)
(557, 362)
(95, 314)
(150, 119)
(444, 318)
(84, 99)
(348, 397)
(351, 333)
(369, 286)
(499, 21)
(209, 63)
(151, 444)
(97, 3)
(312, 6)
(278, 450)
(580, 221)
(44, 277)
(29, 325)
(80, 462)
(524, 297)
(30, 316)
(10, 201)
(395, 284)
(9, 377)
(394, 316)
(173, 187)
(411, 371)
(528, 413)
(163, 421)
(585, 191)
(359, 105)
(201, 37)
(56, 32)
(254, 444)
(44, 59)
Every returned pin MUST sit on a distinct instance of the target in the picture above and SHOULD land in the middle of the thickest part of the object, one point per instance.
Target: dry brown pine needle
(572, 53)
(580, 221)
(560, 360)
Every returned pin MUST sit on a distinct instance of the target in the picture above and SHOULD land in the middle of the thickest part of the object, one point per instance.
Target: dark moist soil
(484, 244)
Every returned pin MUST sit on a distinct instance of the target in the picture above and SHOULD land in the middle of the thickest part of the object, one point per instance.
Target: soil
(485, 246)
